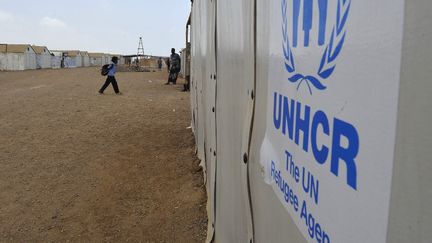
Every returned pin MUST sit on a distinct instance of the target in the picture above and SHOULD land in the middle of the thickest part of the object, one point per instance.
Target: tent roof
(69, 53)
(14, 48)
(72, 53)
(39, 49)
(95, 55)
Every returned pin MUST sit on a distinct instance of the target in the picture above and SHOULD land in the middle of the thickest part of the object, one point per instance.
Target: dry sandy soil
(81, 167)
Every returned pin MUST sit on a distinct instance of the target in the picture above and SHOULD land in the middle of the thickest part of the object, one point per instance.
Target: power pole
(140, 52)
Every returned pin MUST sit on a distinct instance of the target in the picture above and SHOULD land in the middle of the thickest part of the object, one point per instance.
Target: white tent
(17, 57)
(56, 59)
(74, 59)
(96, 59)
(68, 60)
(43, 57)
(85, 59)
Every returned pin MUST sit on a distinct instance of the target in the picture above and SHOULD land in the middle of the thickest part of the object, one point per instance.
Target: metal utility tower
(140, 52)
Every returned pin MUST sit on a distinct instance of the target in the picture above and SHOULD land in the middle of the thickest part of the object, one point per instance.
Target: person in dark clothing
(168, 64)
(175, 61)
(111, 77)
(159, 62)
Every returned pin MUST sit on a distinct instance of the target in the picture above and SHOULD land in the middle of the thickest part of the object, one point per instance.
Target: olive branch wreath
(331, 52)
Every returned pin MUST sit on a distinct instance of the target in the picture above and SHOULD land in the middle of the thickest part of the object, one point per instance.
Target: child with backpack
(110, 71)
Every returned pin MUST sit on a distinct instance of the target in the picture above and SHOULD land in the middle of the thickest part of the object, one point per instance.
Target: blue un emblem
(303, 25)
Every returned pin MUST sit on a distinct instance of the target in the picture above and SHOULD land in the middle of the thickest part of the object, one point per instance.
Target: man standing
(168, 64)
(175, 62)
(159, 62)
(111, 77)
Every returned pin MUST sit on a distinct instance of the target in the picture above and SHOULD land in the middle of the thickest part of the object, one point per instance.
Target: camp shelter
(15, 57)
(43, 57)
(56, 59)
(85, 59)
(73, 58)
(67, 61)
(96, 59)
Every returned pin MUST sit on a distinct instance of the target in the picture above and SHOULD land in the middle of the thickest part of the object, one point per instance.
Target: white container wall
(17, 58)
(43, 61)
(312, 119)
(43, 57)
(85, 60)
(55, 62)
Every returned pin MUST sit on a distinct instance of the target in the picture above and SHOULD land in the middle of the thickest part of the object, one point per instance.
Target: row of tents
(17, 57)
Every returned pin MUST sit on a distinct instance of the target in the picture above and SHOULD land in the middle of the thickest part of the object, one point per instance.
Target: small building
(85, 59)
(57, 59)
(17, 57)
(96, 59)
(74, 59)
(43, 57)
(68, 58)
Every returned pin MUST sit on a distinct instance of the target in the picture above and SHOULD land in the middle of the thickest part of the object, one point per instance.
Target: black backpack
(105, 69)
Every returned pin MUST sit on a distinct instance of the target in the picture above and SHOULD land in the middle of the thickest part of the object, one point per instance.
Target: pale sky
(109, 26)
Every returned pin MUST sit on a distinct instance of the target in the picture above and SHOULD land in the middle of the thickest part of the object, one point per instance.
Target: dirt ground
(81, 167)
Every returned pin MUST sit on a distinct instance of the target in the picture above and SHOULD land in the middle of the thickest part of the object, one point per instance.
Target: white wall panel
(235, 82)
(208, 49)
(411, 201)
(272, 222)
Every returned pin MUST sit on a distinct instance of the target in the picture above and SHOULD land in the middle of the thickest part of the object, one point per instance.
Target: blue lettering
(288, 117)
(277, 118)
(310, 185)
(292, 118)
(313, 227)
(341, 128)
(284, 187)
(302, 125)
(319, 119)
(294, 170)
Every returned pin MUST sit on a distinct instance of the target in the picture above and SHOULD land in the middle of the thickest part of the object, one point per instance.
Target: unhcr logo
(300, 25)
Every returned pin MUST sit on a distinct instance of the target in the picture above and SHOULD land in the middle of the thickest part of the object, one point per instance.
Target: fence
(311, 119)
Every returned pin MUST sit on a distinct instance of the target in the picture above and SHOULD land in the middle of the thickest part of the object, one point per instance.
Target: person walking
(111, 77)
(175, 62)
